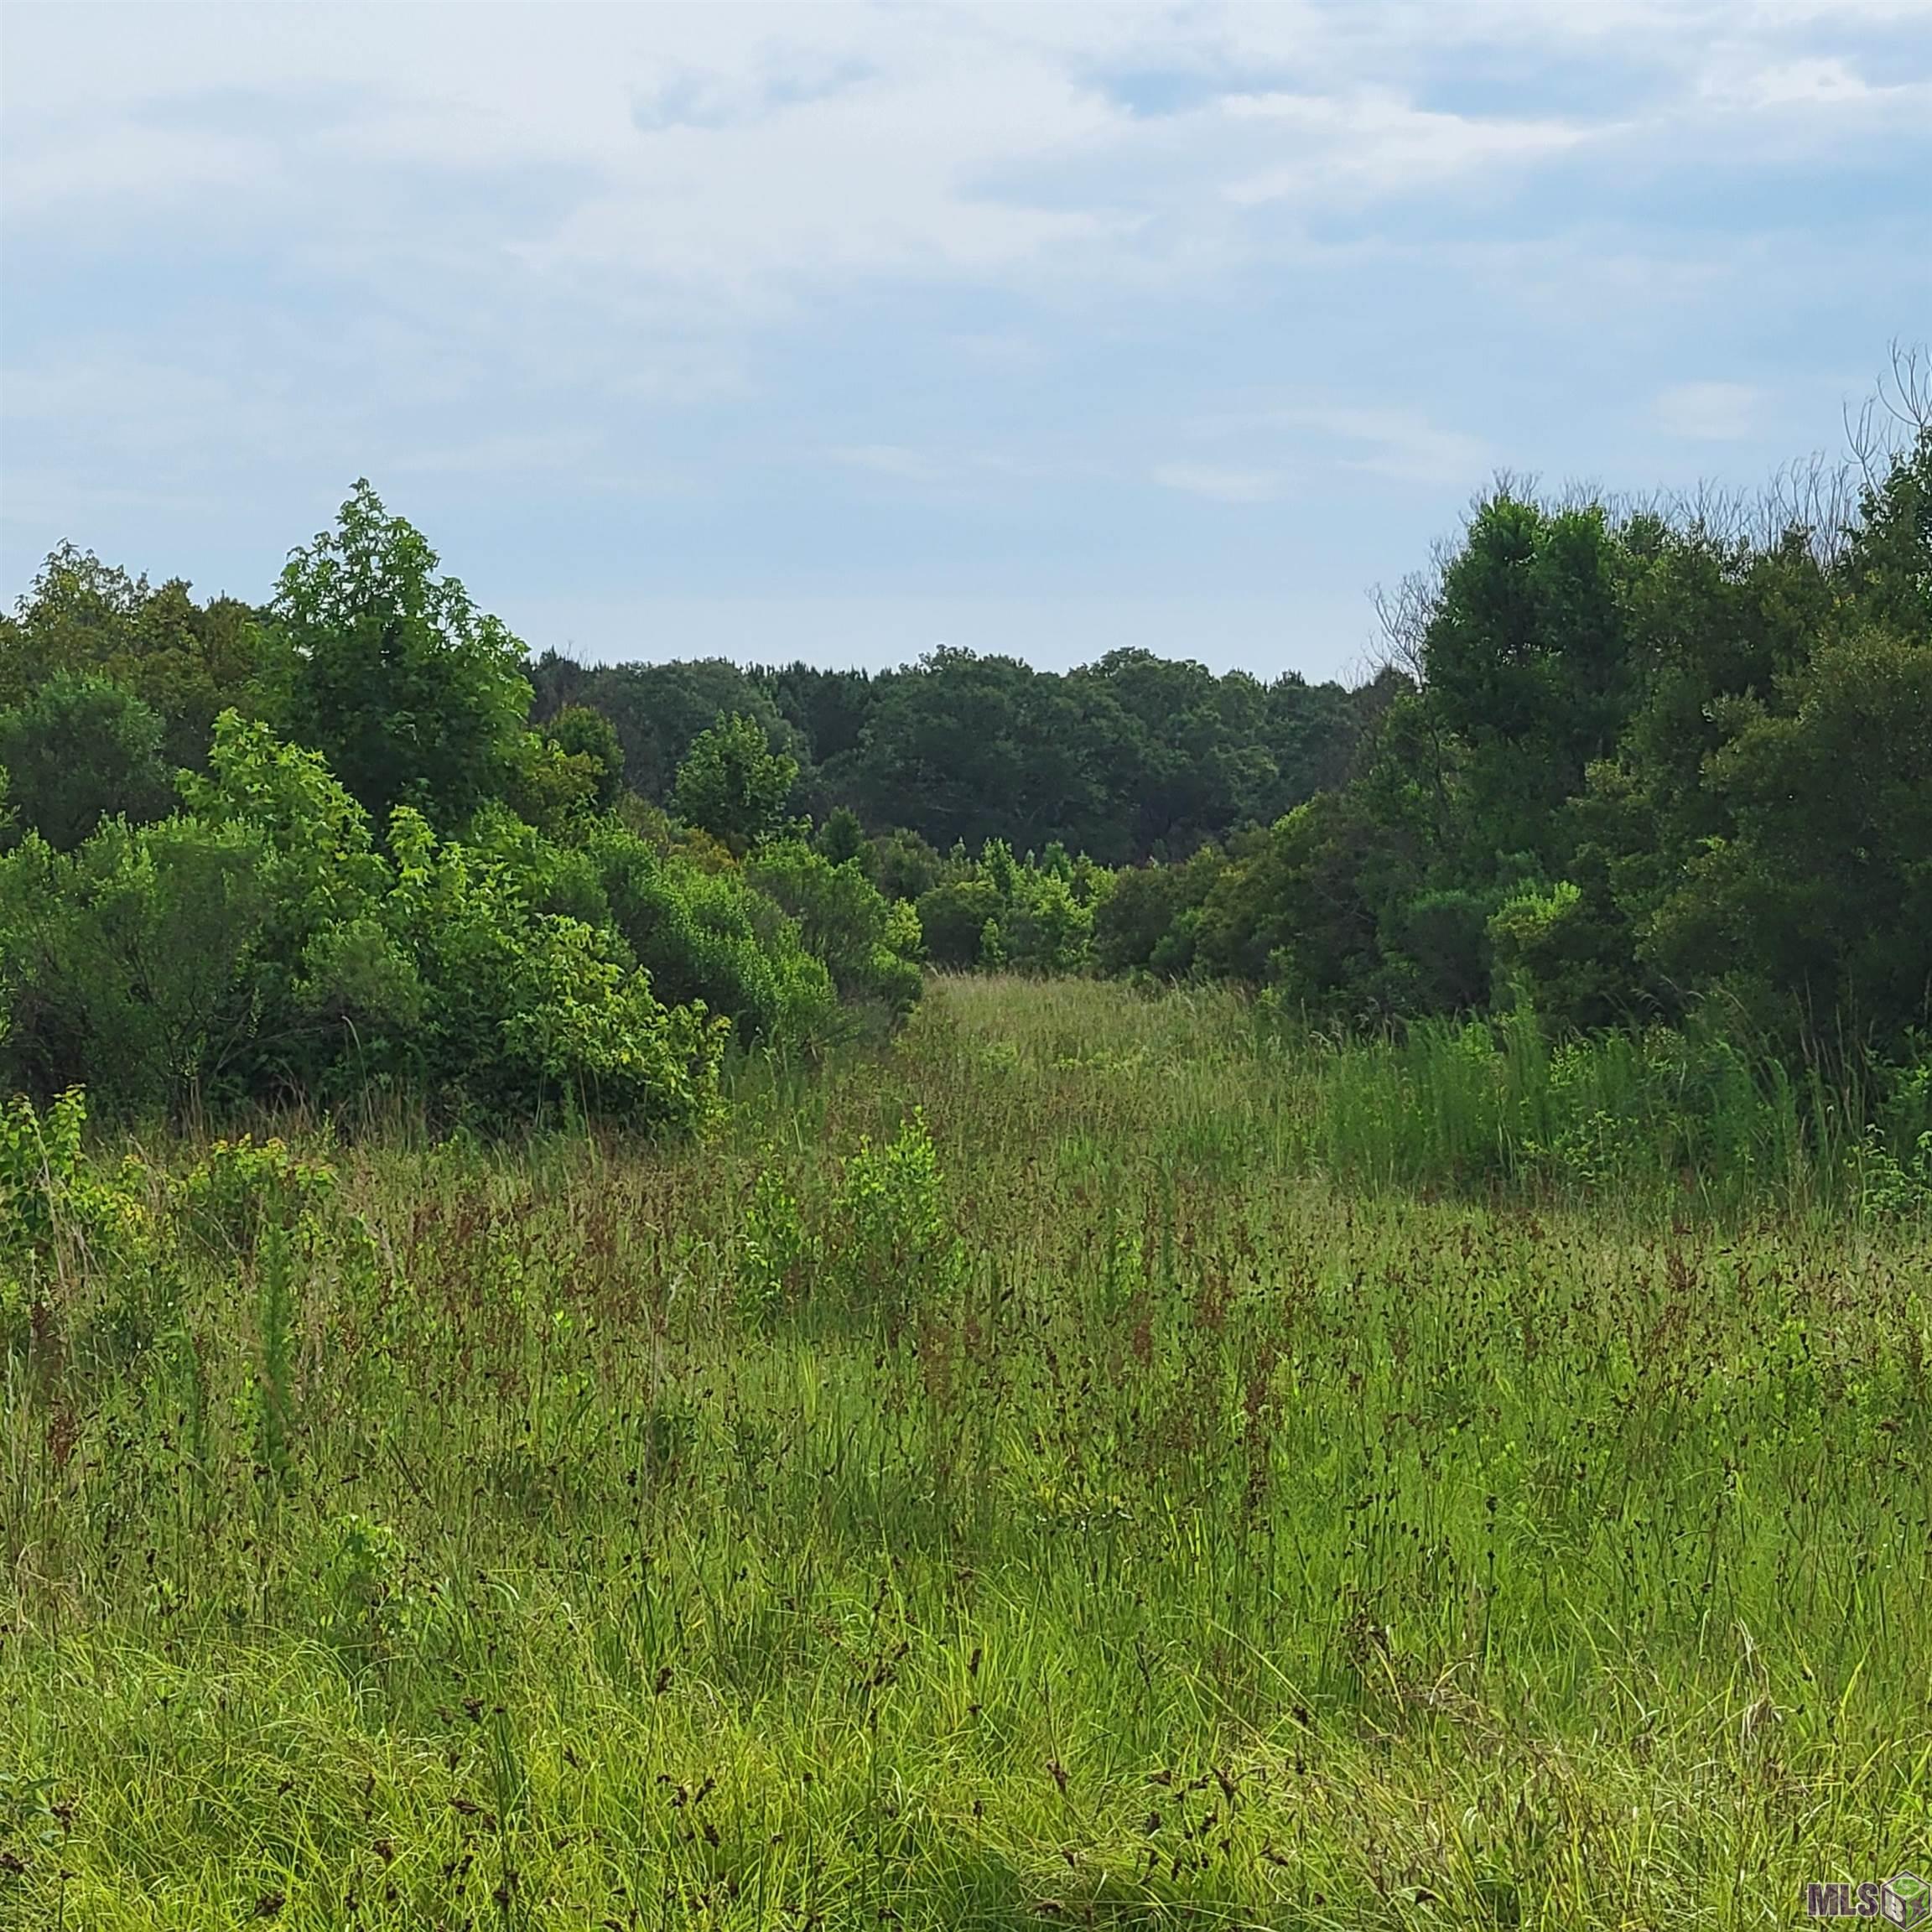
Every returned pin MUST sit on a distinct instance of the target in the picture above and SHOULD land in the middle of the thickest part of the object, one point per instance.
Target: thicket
(316, 853)
(1626, 765)
(1646, 768)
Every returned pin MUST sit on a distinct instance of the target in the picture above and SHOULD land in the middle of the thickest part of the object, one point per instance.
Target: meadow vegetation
(1028, 1472)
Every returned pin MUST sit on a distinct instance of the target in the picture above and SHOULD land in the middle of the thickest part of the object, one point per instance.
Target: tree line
(1626, 765)
(1132, 758)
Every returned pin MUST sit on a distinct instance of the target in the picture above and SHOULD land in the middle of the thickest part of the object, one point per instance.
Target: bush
(129, 966)
(259, 947)
(870, 951)
(78, 751)
(1555, 951)
(1048, 930)
(530, 1005)
(954, 918)
(1440, 942)
(708, 935)
(1151, 918)
(899, 1250)
(1296, 908)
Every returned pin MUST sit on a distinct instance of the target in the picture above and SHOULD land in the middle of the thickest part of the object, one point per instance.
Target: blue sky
(844, 333)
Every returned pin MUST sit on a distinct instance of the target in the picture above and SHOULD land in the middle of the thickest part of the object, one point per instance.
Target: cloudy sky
(841, 333)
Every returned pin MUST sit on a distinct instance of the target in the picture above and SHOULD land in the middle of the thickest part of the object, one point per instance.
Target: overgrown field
(997, 1482)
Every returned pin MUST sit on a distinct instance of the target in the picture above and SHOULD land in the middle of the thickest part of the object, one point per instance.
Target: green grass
(1109, 1520)
(1686, 1122)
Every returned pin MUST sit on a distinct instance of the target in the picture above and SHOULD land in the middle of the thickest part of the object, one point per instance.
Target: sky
(840, 333)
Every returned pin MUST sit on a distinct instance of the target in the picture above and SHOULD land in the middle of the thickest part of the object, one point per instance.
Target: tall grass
(1693, 1120)
(1000, 1483)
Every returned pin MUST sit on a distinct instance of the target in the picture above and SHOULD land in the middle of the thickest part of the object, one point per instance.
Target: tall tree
(413, 695)
(732, 784)
(187, 662)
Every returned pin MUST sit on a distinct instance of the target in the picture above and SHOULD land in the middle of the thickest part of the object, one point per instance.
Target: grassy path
(1066, 1512)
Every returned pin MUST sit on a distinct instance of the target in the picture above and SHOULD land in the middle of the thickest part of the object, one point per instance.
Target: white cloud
(893, 460)
(1709, 412)
(699, 257)
(728, 149)
(1402, 444)
(1376, 143)
(1218, 484)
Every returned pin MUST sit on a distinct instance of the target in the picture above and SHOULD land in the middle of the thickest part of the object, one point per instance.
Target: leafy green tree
(1189, 758)
(904, 866)
(1131, 755)
(1887, 567)
(186, 661)
(1550, 953)
(1299, 906)
(414, 696)
(972, 747)
(732, 784)
(79, 749)
(713, 936)
(327, 976)
(1818, 901)
(531, 1005)
(1527, 662)
(842, 838)
(125, 963)
(578, 732)
(1438, 947)
(549, 787)
(1047, 930)
(259, 946)
(827, 707)
(1150, 920)
(955, 917)
(657, 711)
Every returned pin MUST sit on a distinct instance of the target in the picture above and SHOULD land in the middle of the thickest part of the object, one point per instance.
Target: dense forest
(1625, 768)
(1132, 758)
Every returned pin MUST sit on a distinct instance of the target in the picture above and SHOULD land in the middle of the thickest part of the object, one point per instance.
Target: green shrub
(1048, 931)
(260, 947)
(1148, 920)
(954, 918)
(869, 951)
(776, 1251)
(1439, 942)
(241, 1187)
(710, 936)
(128, 966)
(59, 1211)
(898, 1248)
(528, 1006)
(78, 751)
(1554, 948)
